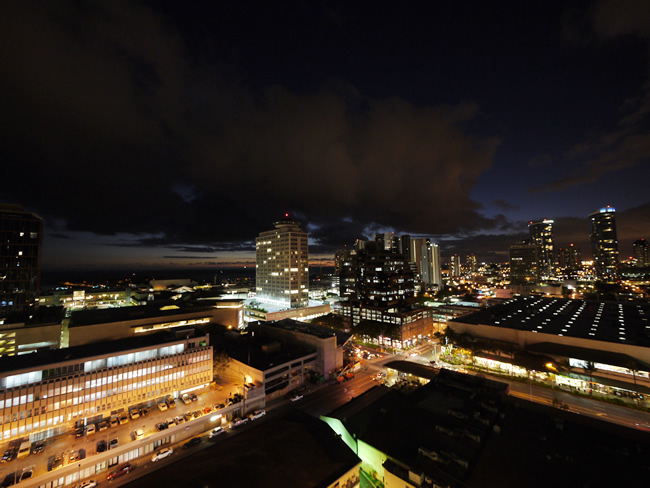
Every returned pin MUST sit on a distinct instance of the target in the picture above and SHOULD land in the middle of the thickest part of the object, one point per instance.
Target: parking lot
(116, 434)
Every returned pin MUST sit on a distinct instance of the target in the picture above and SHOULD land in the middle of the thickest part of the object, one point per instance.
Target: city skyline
(160, 135)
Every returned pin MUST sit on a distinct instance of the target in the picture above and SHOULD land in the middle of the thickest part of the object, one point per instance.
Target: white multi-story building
(48, 393)
(426, 255)
(282, 258)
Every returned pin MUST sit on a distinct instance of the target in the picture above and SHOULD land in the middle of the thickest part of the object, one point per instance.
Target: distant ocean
(53, 278)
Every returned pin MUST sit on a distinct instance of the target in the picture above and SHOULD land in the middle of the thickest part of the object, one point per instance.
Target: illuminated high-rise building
(541, 235)
(455, 266)
(569, 258)
(471, 264)
(604, 243)
(523, 263)
(641, 253)
(282, 265)
(21, 236)
(426, 256)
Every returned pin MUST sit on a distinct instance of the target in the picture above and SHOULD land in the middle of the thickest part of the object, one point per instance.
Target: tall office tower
(339, 256)
(405, 245)
(523, 263)
(426, 257)
(455, 266)
(436, 265)
(21, 236)
(387, 241)
(471, 264)
(569, 258)
(377, 277)
(604, 244)
(282, 259)
(642, 253)
(541, 235)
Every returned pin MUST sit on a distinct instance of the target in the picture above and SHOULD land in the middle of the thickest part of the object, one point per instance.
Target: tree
(220, 360)
(331, 321)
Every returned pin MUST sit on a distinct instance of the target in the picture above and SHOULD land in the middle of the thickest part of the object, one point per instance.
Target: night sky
(171, 134)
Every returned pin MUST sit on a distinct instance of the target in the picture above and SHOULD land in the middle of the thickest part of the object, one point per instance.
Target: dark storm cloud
(626, 146)
(502, 204)
(116, 128)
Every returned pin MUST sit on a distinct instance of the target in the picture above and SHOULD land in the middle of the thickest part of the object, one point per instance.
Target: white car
(88, 484)
(139, 434)
(216, 431)
(296, 397)
(162, 454)
(258, 414)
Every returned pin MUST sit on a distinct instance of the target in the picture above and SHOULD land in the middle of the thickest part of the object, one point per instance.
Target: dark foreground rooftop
(294, 450)
(464, 432)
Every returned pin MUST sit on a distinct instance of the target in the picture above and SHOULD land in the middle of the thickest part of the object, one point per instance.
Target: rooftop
(155, 309)
(46, 357)
(293, 450)
(626, 323)
(461, 430)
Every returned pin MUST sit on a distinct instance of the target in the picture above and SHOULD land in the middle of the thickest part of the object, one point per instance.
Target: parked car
(121, 469)
(216, 431)
(194, 397)
(74, 456)
(90, 430)
(144, 411)
(207, 410)
(9, 455)
(161, 426)
(27, 473)
(113, 443)
(257, 414)
(57, 462)
(38, 447)
(238, 422)
(10, 479)
(171, 403)
(179, 419)
(88, 484)
(134, 414)
(101, 445)
(79, 431)
(139, 434)
(162, 406)
(124, 418)
(102, 426)
(162, 454)
(194, 441)
(114, 421)
(186, 399)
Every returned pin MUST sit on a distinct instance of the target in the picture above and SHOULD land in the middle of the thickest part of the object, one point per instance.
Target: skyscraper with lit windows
(282, 265)
(604, 243)
(541, 235)
(641, 253)
(21, 236)
(426, 256)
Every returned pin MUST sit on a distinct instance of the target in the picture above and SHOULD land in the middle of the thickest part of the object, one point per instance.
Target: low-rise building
(88, 326)
(47, 393)
(26, 332)
(608, 342)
